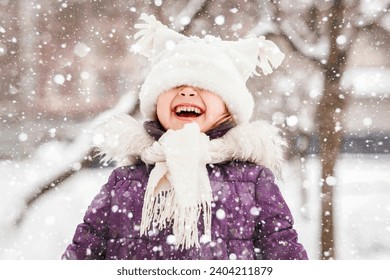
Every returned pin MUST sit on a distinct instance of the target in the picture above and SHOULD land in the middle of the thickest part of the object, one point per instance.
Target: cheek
(160, 109)
(162, 113)
(163, 110)
(215, 106)
(163, 103)
(221, 109)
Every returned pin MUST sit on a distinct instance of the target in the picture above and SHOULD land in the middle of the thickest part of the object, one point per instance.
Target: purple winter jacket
(250, 219)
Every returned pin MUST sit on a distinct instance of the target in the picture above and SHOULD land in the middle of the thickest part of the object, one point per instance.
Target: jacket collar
(125, 138)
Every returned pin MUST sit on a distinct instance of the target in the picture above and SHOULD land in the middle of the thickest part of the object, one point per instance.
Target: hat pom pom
(146, 34)
(270, 57)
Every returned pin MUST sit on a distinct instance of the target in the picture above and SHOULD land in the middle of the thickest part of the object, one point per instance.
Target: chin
(176, 125)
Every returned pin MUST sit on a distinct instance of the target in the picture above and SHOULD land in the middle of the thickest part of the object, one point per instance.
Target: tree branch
(285, 28)
(192, 10)
(51, 185)
(126, 104)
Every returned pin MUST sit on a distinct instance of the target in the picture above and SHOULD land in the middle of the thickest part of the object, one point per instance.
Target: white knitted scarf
(178, 188)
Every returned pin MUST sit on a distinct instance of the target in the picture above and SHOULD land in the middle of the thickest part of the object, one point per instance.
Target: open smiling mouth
(188, 111)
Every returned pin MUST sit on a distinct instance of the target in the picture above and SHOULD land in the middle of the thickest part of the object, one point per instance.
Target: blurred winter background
(65, 64)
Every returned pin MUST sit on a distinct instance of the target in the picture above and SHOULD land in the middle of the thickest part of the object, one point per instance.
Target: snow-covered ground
(362, 206)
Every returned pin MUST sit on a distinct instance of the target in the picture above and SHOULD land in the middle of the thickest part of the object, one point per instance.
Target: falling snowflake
(220, 214)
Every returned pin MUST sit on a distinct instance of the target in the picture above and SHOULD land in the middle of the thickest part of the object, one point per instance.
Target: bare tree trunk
(330, 136)
(342, 19)
(28, 57)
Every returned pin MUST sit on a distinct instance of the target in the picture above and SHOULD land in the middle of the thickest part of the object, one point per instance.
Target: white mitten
(186, 155)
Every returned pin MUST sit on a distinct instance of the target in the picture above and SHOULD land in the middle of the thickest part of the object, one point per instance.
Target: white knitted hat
(222, 67)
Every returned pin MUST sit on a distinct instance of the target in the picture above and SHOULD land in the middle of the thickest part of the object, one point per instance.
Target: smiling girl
(196, 180)
(186, 104)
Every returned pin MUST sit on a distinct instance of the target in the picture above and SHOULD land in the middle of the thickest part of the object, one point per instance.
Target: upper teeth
(187, 109)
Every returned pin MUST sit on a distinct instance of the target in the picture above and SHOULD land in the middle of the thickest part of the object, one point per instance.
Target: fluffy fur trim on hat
(123, 139)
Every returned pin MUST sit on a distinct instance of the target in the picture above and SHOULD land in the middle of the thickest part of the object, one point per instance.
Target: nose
(188, 91)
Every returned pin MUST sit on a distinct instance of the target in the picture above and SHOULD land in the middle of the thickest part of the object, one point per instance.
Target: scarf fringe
(161, 210)
(157, 210)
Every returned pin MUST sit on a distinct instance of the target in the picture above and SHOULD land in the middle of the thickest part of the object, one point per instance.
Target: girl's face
(186, 104)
